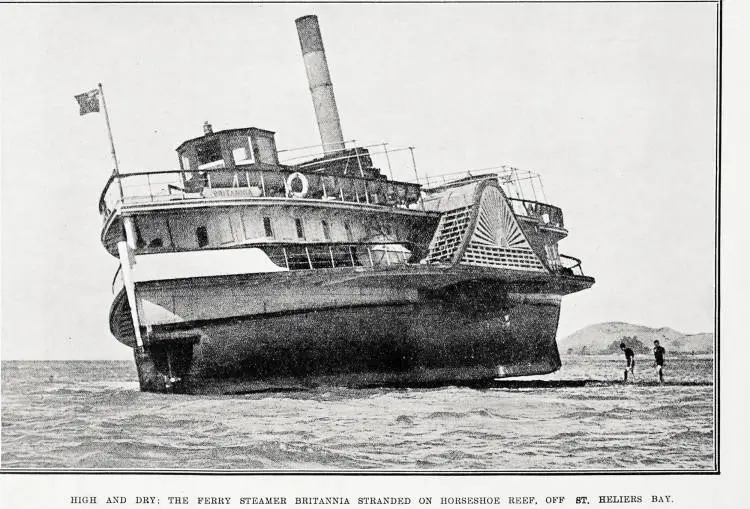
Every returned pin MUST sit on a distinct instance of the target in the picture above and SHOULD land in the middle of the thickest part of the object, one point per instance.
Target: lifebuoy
(290, 180)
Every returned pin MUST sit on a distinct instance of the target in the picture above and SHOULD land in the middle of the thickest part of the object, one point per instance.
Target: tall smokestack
(321, 87)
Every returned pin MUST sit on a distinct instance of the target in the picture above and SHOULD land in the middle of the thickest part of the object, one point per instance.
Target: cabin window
(267, 226)
(348, 230)
(300, 228)
(209, 152)
(152, 232)
(326, 230)
(239, 155)
(241, 148)
(201, 234)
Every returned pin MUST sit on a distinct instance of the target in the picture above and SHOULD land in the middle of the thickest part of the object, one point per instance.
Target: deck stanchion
(309, 261)
(414, 165)
(359, 163)
(125, 248)
(388, 160)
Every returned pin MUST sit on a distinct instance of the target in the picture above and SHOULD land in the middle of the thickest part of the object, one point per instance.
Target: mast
(111, 142)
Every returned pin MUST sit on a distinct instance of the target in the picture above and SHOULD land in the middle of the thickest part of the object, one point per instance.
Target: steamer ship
(239, 272)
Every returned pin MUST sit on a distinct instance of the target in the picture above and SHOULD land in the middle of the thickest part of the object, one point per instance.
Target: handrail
(543, 204)
(293, 149)
(555, 214)
(104, 192)
(114, 279)
(482, 172)
(514, 181)
(269, 168)
(575, 265)
(312, 251)
(281, 243)
(350, 156)
(347, 188)
(324, 243)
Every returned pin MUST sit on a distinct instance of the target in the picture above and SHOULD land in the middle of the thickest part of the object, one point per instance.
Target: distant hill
(599, 338)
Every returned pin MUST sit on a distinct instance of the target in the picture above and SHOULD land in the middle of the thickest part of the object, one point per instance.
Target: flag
(88, 102)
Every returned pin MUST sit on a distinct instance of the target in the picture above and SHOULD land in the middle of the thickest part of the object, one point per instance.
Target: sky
(613, 104)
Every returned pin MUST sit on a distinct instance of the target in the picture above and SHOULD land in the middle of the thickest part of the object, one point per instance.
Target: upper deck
(178, 188)
(239, 169)
(244, 164)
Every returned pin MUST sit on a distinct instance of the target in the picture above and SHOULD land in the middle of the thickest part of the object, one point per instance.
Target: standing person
(659, 359)
(629, 361)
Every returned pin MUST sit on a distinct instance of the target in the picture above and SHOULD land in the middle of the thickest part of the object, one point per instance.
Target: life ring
(290, 180)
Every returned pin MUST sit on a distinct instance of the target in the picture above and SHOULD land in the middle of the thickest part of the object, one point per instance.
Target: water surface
(90, 415)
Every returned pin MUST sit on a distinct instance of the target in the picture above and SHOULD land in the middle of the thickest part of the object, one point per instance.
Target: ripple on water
(91, 415)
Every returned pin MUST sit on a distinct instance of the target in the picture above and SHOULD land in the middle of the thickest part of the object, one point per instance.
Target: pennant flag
(88, 102)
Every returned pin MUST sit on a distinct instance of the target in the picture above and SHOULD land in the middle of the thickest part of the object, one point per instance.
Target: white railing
(516, 183)
(331, 256)
(250, 182)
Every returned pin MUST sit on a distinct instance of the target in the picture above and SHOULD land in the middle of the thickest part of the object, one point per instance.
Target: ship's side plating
(460, 334)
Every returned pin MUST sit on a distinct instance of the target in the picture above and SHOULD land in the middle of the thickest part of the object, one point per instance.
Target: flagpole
(111, 141)
(126, 246)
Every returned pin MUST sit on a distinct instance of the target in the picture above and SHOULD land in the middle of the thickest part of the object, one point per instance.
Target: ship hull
(471, 332)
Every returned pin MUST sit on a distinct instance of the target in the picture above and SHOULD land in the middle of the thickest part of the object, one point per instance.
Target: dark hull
(426, 343)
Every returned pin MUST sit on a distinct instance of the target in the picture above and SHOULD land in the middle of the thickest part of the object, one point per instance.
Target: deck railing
(523, 189)
(316, 255)
(334, 255)
(517, 183)
(547, 214)
(571, 265)
(117, 281)
(253, 182)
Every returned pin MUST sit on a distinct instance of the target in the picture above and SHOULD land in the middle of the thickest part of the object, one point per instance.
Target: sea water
(90, 415)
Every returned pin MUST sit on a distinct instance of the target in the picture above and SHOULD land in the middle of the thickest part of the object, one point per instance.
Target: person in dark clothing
(659, 360)
(629, 361)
